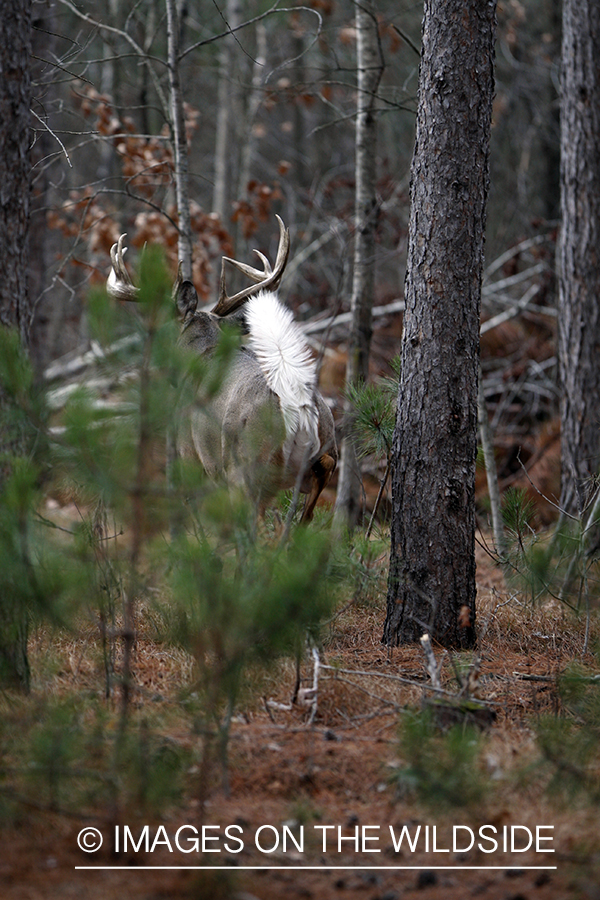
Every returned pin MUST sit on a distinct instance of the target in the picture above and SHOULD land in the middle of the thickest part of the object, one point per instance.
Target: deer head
(268, 427)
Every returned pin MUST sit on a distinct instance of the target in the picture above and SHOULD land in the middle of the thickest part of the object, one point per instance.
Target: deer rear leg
(320, 473)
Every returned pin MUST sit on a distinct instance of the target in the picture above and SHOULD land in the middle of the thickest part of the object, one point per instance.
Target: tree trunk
(432, 563)
(15, 307)
(225, 143)
(15, 139)
(370, 70)
(40, 338)
(254, 100)
(579, 252)
(179, 144)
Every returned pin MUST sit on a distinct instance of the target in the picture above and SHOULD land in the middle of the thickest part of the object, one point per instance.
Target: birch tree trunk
(579, 253)
(431, 584)
(179, 143)
(370, 70)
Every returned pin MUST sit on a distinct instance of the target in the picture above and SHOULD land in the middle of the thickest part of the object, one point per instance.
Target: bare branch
(54, 135)
(140, 52)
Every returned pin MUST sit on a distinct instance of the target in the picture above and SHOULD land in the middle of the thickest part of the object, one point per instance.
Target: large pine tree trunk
(15, 139)
(370, 69)
(15, 307)
(42, 347)
(432, 564)
(579, 252)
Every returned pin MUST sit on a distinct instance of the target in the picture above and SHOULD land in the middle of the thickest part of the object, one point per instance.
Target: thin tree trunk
(370, 70)
(578, 253)
(181, 186)
(303, 141)
(431, 584)
(254, 100)
(180, 143)
(225, 145)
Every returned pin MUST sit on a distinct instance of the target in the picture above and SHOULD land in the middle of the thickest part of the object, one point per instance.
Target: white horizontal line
(325, 867)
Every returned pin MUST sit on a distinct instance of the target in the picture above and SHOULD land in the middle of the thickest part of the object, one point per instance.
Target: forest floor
(335, 777)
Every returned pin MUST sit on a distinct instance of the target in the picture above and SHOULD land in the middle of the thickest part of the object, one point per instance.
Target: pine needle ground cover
(354, 765)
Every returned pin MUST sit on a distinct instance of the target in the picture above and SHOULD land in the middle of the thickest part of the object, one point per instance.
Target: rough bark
(432, 564)
(15, 140)
(44, 305)
(15, 309)
(370, 70)
(578, 253)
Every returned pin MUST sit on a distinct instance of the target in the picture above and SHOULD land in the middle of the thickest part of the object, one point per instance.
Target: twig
(364, 690)
(408, 39)
(546, 679)
(54, 135)
(382, 485)
(143, 55)
(418, 684)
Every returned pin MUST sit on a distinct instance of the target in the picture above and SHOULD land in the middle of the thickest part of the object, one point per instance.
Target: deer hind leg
(320, 473)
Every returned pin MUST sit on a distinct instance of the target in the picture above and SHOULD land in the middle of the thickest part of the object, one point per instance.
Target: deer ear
(186, 300)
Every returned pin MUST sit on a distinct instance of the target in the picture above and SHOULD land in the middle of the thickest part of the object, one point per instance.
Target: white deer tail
(290, 370)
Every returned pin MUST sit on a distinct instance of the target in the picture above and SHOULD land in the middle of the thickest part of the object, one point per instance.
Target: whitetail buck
(268, 428)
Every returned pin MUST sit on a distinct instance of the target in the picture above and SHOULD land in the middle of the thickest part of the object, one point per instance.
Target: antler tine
(283, 249)
(269, 278)
(256, 275)
(119, 283)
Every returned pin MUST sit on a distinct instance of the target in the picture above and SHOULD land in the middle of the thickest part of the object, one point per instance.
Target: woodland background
(270, 119)
(270, 116)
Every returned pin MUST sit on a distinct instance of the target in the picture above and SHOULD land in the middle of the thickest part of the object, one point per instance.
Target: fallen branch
(315, 325)
(495, 286)
(514, 251)
(546, 679)
(63, 369)
(432, 666)
(513, 311)
(399, 678)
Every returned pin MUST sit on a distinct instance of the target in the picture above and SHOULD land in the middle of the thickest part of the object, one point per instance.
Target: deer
(268, 428)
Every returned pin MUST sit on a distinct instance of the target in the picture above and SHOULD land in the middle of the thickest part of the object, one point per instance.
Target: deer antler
(119, 283)
(269, 277)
